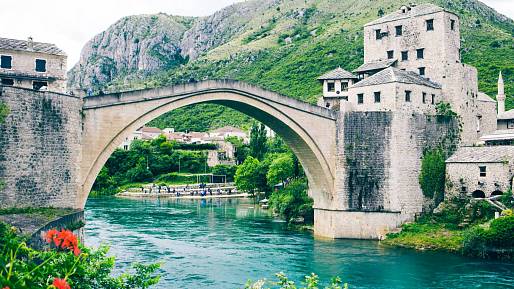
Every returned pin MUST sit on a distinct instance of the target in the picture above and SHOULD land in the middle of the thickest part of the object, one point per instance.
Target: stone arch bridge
(362, 167)
(309, 130)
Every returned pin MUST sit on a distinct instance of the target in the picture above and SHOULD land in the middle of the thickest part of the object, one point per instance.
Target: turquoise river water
(223, 243)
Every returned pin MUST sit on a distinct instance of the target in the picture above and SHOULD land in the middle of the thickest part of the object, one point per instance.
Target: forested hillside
(279, 45)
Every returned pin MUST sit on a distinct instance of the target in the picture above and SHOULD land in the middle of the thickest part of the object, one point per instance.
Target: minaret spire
(501, 95)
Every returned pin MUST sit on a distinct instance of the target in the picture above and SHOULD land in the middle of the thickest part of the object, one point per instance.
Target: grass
(426, 237)
(45, 212)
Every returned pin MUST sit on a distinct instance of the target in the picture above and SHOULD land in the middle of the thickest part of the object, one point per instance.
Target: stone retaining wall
(39, 149)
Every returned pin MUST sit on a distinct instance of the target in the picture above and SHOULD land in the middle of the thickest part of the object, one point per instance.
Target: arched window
(496, 193)
(478, 194)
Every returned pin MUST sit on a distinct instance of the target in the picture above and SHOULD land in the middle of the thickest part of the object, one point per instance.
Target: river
(223, 243)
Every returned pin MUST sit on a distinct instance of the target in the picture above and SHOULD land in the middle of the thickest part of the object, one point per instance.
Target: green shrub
(293, 202)
(501, 232)
(23, 267)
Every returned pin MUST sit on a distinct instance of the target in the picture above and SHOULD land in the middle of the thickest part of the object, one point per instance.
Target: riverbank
(134, 195)
(459, 227)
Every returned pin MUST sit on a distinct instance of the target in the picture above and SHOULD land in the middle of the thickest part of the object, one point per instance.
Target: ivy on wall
(4, 111)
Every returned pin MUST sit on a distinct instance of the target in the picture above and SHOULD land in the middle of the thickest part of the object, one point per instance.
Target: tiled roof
(500, 134)
(411, 11)
(149, 129)
(391, 74)
(506, 115)
(484, 97)
(492, 154)
(375, 65)
(22, 45)
(337, 73)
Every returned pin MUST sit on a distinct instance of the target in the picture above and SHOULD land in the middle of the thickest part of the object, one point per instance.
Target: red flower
(60, 284)
(65, 239)
(50, 235)
(6, 287)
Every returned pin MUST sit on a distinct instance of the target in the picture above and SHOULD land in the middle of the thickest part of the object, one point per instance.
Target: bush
(479, 241)
(293, 202)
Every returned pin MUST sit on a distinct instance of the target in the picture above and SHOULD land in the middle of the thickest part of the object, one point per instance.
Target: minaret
(501, 95)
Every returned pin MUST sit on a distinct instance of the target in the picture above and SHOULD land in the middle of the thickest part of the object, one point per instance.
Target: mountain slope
(285, 45)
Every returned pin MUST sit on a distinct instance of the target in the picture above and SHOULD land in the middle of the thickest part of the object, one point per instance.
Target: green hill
(284, 45)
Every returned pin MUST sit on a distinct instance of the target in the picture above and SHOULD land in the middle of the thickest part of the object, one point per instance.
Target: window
(421, 71)
(378, 34)
(420, 53)
(433, 98)
(479, 122)
(7, 81)
(331, 86)
(36, 85)
(6, 62)
(452, 24)
(399, 30)
(327, 105)
(390, 54)
(405, 55)
(407, 95)
(483, 171)
(125, 147)
(424, 97)
(360, 98)
(40, 65)
(344, 86)
(510, 124)
(377, 97)
(430, 25)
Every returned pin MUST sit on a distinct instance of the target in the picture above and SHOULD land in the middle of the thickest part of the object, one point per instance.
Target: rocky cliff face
(143, 44)
(134, 44)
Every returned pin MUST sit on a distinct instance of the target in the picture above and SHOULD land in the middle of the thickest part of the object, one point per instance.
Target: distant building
(229, 131)
(33, 65)
(224, 154)
(480, 172)
(150, 133)
(504, 134)
(335, 87)
(137, 135)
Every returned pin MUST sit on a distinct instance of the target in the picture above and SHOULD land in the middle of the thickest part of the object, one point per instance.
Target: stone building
(413, 55)
(480, 172)
(33, 65)
(335, 87)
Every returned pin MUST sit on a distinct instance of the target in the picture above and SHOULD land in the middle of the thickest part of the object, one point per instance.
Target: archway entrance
(478, 194)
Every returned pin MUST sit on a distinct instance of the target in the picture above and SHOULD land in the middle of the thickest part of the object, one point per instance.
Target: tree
(293, 202)
(241, 149)
(246, 177)
(280, 169)
(258, 141)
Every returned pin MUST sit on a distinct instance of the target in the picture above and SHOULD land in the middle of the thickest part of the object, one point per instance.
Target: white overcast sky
(70, 24)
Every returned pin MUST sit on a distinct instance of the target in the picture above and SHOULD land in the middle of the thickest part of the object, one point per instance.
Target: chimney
(500, 98)
(30, 43)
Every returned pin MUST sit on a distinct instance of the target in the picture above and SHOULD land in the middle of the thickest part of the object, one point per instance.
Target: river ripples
(223, 243)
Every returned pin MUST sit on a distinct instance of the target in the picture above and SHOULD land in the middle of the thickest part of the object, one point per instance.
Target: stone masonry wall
(379, 158)
(39, 149)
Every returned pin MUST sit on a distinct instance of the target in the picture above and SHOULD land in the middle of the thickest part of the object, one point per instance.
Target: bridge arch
(309, 130)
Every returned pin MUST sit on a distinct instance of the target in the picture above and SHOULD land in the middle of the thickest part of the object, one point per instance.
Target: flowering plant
(66, 265)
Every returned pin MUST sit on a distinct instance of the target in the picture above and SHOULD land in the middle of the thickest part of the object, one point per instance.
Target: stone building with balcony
(33, 65)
